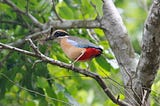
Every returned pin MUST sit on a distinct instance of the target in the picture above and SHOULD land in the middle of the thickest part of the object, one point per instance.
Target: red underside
(89, 54)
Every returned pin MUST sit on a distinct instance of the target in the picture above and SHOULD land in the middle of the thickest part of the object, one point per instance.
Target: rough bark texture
(137, 76)
(117, 35)
(85, 72)
(150, 56)
(118, 38)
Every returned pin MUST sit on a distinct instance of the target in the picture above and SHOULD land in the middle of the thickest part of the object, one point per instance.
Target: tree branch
(68, 24)
(4, 46)
(18, 10)
(59, 25)
(12, 22)
(32, 36)
(54, 9)
(56, 24)
(150, 56)
(117, 35)
(119, 41)
(67, 66)
(32, 91)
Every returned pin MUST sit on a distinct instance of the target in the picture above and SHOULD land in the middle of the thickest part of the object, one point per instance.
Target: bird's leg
(72, 64)
(88, 65)
(82, 53)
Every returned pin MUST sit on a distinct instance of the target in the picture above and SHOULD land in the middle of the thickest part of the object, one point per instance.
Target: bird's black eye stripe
(63, 34)
(59, 33)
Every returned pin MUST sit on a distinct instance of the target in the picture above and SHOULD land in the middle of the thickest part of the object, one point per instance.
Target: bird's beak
(50, 38)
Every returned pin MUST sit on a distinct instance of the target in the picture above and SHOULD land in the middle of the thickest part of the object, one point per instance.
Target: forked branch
(37, 54)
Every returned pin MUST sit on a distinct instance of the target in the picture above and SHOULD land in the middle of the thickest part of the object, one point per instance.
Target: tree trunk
(137, 79)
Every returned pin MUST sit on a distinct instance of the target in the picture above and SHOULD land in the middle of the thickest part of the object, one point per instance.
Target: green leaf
(98, 4)
(30, 103)
(103, 63)
(43, 102)
(71, 99)
(42, 82)
(87, 10)
(64, 11)
(51, 93)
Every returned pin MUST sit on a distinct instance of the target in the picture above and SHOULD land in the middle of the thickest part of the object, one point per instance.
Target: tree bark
(137, 79)
(150, 56)
(117, 36)
(137, 76)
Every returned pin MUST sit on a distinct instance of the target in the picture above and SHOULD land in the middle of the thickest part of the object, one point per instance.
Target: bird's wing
(80, 42)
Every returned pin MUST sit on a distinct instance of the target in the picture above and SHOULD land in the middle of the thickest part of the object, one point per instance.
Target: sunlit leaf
(30, 103)
(103, 63)
(42, 82)
(64, 11)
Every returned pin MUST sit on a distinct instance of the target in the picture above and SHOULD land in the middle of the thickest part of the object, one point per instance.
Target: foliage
(22, 83)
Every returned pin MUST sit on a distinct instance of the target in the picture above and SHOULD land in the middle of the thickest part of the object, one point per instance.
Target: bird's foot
(88, 68)
(72, 66)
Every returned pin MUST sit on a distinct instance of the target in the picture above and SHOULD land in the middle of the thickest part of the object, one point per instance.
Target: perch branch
(67, 66)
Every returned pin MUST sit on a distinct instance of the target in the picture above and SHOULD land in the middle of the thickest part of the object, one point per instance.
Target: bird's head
(57, 34)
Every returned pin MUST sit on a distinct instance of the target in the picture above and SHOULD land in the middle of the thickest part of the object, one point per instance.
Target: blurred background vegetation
(22, 84)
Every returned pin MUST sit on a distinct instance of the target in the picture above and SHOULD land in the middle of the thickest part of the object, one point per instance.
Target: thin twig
(54, 9)
(36, 62)
(4, 46)
(32, 91)
(75, 69)
(144, 97)
(94, 6)
(12, 22)
(5, 58)
(32, 36)
(93, 35)
(27, 7)
(18, 10)
(34, 47)
(131, 83)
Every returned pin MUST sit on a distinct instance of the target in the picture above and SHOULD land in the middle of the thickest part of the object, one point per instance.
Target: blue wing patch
(80, 42)
(77, 44)
(72, 42)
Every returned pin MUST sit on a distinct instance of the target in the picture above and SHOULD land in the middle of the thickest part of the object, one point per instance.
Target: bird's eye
(57, 34)
(60, 34)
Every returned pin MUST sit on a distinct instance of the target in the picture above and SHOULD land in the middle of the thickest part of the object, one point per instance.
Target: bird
(77, 49)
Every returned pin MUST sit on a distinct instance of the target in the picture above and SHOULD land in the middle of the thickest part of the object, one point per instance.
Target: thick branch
(68, 66)
(118, 38)
(59, 25)
(150, 56)
(67, 24)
